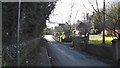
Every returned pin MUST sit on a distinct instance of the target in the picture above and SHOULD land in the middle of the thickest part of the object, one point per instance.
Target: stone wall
(102, 51)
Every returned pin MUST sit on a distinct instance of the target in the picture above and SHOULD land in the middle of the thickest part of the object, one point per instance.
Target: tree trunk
(104, 23)
(103, 41)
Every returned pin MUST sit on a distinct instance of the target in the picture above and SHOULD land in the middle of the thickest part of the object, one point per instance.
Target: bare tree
(112, 16)
(100, 17)
(70, 16)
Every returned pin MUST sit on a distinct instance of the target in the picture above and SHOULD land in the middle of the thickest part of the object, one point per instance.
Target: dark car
(67, 39)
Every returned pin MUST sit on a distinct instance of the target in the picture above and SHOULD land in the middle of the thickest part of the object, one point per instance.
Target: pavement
(39, 57)
(62, 55)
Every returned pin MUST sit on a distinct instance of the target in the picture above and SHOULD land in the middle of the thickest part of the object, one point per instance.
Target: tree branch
(92, 6)
(97, 5)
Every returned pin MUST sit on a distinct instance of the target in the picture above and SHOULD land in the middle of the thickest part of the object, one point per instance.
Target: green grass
(99, 41)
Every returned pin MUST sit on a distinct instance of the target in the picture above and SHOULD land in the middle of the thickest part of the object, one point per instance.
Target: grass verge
(99, 41)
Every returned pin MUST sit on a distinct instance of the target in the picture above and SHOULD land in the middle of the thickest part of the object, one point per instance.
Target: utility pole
(103, 22)
(18, 50)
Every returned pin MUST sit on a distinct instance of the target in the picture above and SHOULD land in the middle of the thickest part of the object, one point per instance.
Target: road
(62, 55)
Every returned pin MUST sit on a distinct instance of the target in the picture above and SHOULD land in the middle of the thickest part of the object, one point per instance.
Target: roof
(81, 24)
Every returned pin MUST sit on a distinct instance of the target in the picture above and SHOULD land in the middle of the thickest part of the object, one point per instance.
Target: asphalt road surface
(62, 55)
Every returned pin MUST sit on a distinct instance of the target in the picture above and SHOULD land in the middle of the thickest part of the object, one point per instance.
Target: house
(81, 29)
(60, 29)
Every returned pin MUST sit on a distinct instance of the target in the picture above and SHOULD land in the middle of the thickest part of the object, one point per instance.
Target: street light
(18, 51)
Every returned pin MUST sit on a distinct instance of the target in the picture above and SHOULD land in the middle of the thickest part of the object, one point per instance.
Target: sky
(63, 9)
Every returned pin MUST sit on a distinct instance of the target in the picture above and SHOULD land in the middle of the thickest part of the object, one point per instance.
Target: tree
(113, 18)
(70, 16)
(32, 23)
(100, 17)
(110, 17)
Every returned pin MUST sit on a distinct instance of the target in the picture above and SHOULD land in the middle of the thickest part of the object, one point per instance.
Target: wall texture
(102, 51)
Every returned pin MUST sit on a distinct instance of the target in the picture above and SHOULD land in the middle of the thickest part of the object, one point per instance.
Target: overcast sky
(81, 7)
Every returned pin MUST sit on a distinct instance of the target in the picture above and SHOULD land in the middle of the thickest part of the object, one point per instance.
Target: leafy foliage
(32, 22)
(68, 32)
(97, 20)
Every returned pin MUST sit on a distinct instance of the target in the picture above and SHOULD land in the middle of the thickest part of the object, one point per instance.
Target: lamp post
(18, 51)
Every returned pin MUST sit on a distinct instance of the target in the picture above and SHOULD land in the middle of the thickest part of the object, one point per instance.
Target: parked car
(67, 39)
